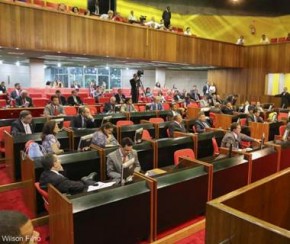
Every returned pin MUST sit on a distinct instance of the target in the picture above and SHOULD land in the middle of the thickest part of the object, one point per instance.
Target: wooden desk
(14, 112)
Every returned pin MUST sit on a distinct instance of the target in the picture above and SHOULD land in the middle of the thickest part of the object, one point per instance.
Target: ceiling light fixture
(17, 63)
(59, 65)
(1, 61)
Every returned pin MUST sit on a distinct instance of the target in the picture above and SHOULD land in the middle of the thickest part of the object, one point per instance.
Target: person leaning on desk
(122, 155)
(234, 137)
(83, 120)
(51, 175)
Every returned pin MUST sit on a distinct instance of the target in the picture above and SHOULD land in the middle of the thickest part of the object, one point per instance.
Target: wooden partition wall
(40, 29)
(257, 213)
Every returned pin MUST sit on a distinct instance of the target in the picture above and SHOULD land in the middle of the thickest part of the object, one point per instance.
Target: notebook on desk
(156, 171)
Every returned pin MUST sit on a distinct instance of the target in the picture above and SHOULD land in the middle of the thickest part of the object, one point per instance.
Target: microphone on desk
(230, 150)
(286, 133)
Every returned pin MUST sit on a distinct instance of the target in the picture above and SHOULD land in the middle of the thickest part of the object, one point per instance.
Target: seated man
(83, 120)
(228, 109)
(24, 100)
(201, 123)
(120, 97)
(23, 125)
(15, 227)
(176, 125)
(110, 107)
(234, 137)
(128, 106)
(254, 116)
(74, 99)
(156, 105)
(51, 175)
(54, 108)
(120, 156)
(16, 92)
(62, 100)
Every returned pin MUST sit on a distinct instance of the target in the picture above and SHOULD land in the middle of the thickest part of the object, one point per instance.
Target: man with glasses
(24, 125)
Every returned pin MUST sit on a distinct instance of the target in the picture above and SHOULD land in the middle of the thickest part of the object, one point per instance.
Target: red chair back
(43, 193)
(3, 103)
(213, 118)
(66, 124)
(243, 121)
(2, 129)
(187, 152)
(70, 110)
(89, 101)
(142, 108)
(156, 120)
(124, 122)
(104, 99)
(166, 106)
(216, 150)
(93, 110)
(146, 135)
(282, 129)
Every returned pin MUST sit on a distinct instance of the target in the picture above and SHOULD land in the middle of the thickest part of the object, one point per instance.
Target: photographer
(135, 85)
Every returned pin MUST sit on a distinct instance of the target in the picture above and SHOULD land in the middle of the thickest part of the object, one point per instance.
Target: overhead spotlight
(58, 64)
(1, 61)
(107, 67)
(17, 48)
(44, 66)
(84, 66)
(127, 68)
(17, 63)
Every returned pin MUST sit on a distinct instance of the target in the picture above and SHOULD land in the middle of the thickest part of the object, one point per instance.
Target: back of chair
(216, 150)
(243, 121)
(213, 118)
(146, 135)
(124, 122)
(43, 193)
(156, 120)
(70, 110)
(187, 152)
(66, 123)
(282, 129)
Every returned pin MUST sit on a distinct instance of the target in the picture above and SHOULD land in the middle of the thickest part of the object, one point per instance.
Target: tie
(55, 111)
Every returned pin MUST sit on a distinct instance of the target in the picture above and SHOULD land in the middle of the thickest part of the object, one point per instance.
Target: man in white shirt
(23, 125)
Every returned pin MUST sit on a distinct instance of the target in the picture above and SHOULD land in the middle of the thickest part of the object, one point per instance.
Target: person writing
(121, 156)
(234, 137)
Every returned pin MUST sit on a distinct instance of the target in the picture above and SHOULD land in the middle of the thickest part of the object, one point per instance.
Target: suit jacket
(14, 95)
(251, 118)
(119, 98)
(226, 110)
(109, 107)
(20, 103)
(17, 128)
(173, 126)
(76, 122)
(60, 182)
(195, 96)
(49, 110)
(285, 99)
(71, 101)
(230, 138)
(200, 127)
(3, 89)
(156, 106)
(62, 100)
(114, 162)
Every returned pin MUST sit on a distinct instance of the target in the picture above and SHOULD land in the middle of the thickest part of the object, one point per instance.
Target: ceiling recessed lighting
(58, 64)
(107, 67)
(44, 66)
(17, 63)
(127, 68)
(84, 66)
(1, 61)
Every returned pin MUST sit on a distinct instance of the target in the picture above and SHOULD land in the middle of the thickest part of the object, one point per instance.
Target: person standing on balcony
(166, 16)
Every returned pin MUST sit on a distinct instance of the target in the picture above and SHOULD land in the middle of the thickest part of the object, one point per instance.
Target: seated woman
(148, 92)
(49, 140)
(128, 106)
(104, 136)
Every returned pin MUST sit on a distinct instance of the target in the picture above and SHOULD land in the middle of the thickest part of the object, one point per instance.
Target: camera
(140, 73)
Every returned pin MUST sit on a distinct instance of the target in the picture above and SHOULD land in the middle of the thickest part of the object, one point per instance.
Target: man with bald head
(23, 100)
(83, 120)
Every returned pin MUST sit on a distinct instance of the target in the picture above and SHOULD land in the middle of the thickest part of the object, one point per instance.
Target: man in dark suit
(74, 99)
(135, 84)
(176, 125)
(232, 99)
(83, 120)
(254, 116)
(110, 107)
(234, 137)
(228, 109)
(3, 87)
(120, 98)
(23, 125)
(166, 16)
(285, 98)
(201, 123)
(51, 175)
(24, 100)
(205, 89)
(194, 94)
(16, 93)
(62, 100)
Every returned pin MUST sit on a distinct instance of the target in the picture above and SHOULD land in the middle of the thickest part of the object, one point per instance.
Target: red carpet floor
(197, 238)
(14, 200)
